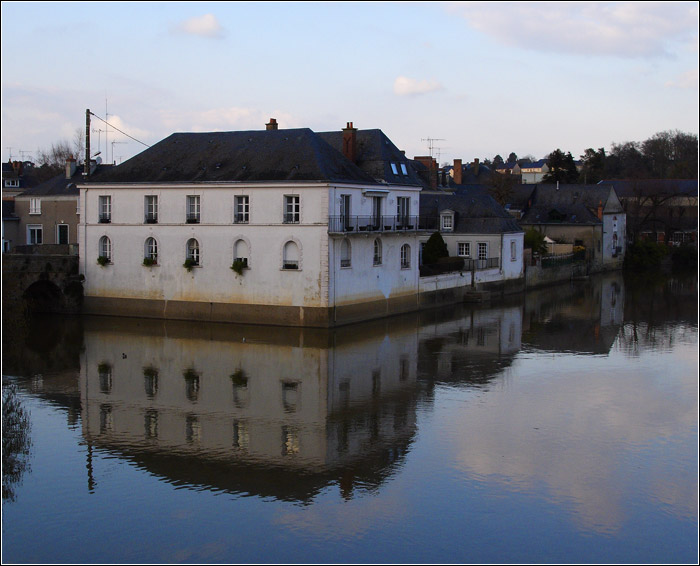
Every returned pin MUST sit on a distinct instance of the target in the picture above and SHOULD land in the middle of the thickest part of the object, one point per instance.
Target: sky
(455, 80)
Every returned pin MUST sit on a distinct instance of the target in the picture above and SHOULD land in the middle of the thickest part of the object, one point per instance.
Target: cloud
(203, 26)
(622, 29)
(405, 86)
(689, 79)
(223, 119)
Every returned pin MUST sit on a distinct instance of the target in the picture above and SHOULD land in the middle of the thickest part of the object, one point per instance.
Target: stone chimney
(70, 167)
(271, 125)
(350, 142)
(457, 171)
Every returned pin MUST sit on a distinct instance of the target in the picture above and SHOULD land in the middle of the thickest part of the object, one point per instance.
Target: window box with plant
(190, 263)
(150, 261)
(103, 260)
(239, 264)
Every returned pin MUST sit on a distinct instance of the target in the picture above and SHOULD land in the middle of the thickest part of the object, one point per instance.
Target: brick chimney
(70, 167)
(350, 142)
(476, 166)
(432, 166)
(457, 171)
(600, 210)
(271, 125)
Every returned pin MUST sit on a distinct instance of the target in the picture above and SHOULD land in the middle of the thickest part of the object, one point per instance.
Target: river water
(559, 426)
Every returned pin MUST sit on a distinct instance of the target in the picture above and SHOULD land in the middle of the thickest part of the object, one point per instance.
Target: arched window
(150, 251)
(241, 252)
(377, 252)
(405, 256)
(345, 254)
(290, 256)
(193, 251)
(105, 250)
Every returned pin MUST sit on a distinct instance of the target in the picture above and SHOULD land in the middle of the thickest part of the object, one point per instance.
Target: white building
(317, 235)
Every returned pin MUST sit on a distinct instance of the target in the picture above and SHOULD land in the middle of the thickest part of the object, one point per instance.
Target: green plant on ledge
(238, 266)
(190, 374)
(189, 264)
(103, 260)
(149, 261)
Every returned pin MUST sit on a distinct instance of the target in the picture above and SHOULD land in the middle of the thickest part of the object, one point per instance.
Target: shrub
(435, 248)
(645, 255)
(535, 241)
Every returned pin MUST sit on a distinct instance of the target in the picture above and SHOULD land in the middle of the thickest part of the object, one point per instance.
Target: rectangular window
(291, 209)
(403, 169)
(447, 222)
(151, 209)
(394, 170)
(482, 250)
(464, 249)
(241, 209)
(105, 208)
(35, 206)
(193, 209)
(403, 209)
(513, 251)
(35, 234)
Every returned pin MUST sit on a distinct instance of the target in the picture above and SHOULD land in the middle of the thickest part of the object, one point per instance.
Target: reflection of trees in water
(16, 441)
(659, 312)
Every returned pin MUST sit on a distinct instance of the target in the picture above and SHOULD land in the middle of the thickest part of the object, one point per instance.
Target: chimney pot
(271, 125)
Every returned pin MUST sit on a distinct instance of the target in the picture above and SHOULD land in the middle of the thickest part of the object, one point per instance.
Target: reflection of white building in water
(289, 400)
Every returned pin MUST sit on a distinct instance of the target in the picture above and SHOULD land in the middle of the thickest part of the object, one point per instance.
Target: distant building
(49, 212)
(663, 210)
(591, 216)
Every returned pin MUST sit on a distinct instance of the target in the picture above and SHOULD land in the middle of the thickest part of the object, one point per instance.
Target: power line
(120, 131)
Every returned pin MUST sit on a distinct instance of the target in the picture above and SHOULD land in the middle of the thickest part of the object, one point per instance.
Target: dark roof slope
(476, 211)
(657, 187)
(567, 204)
(267, 155)
(375, 154)
(57, 186)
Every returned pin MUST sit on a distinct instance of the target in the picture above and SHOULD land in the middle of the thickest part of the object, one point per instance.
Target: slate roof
(566, 204)
(250, 156)
(644, 187)
(57, 186)
(375, 154)
(476, 211)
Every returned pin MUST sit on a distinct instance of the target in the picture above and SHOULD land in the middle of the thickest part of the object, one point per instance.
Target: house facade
(591, 216)
(49, 212)
(273, 226)
(534, 172)
(476, 228)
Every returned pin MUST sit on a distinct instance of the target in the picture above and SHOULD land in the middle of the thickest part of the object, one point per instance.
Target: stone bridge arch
(41, 283)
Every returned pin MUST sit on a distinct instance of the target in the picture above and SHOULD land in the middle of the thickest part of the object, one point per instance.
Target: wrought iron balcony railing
(350, 224)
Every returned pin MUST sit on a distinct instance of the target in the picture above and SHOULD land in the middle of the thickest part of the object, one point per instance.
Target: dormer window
(447, 221)
(403, 169)
(394, 170)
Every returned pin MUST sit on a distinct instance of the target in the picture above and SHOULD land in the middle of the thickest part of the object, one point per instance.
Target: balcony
(363, 224)
(105, 218)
